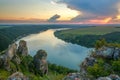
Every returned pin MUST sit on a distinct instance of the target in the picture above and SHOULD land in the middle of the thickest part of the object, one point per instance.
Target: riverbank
(88, 36)
(57, 48)
(11, 34)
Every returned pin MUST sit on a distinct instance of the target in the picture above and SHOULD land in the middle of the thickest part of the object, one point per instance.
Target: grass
(92, 31)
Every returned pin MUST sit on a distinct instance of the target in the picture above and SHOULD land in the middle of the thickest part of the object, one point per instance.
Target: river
(59, 51)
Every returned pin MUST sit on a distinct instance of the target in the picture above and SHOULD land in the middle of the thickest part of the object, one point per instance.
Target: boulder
(108, 52)
(114, 77)
(104, 78)
(18, 76)
(89, 61)
(111, 77)
(4, 62)
(22, 48)
(40, 61)
(73, 76)
(116, 54)
(16, 59)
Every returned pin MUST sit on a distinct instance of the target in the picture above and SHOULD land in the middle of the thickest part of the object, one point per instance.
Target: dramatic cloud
(54, 18)
(93, 9)
(101, 7)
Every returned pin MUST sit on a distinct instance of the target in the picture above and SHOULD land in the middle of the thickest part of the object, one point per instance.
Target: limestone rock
(40, 61)
(111, 77)
(4, 62)
(104, 78)
(18, 76)
(116, 54)
(72, 76)
(11, 51)
(16, 59)
(22, 48)
(114, 77)
(108, 52)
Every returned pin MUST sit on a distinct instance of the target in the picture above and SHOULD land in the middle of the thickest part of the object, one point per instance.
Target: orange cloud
(118, 17)
(103, 21)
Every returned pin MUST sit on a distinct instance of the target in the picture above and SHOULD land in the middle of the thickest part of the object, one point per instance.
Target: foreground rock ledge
(18, 76)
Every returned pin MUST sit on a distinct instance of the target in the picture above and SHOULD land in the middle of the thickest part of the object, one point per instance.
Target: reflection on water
(59, 52)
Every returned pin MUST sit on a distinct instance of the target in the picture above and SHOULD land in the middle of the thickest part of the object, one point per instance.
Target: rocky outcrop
(40, 61)
(11, 51)
(108, 52)
(89, 61)
(11, 54)
(112, 53)
(18, 76)
(72, 76)
(5, 58)
(22, 48)
(111, 77)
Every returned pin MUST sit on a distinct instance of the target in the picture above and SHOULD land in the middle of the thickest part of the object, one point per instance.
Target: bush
(116, 66)
(97, 71)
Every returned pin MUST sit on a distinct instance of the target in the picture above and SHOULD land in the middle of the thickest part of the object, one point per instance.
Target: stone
(22, 48)
(16, 59)
(72, 76)
(89, 61)
(114, 77)
(116, 54)
(40, 61)
(11, 51)
(4, 62)
(18, 76)
(106, 52)
(109, 52)
(110, 77)
(104, 78)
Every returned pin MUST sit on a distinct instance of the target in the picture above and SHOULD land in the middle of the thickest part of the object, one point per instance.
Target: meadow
(92, 30)
(88, 36)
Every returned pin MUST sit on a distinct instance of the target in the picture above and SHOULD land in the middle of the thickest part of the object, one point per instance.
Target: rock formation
(72, 76)
(22, 48)
(40, 61)
(111, 77)
(89, 61)
(11, 54)
(11, 51)
(5, 58)
(17, 76)
(108, 52)
(112, 53)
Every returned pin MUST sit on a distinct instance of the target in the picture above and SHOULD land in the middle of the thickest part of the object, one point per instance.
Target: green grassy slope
(91, 31)
(88, 36)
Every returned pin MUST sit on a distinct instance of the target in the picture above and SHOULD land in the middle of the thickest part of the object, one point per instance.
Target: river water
(59, 51)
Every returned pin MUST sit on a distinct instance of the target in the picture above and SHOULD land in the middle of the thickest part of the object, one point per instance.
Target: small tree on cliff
(100, 43)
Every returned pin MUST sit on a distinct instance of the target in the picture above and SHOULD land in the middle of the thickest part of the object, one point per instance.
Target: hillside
(16, 63)
(88, 36)
(10, 33)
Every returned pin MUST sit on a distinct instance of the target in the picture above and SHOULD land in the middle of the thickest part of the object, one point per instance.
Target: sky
(60, 11)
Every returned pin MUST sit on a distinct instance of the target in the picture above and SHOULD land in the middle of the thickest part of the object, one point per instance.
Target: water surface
(59, 51)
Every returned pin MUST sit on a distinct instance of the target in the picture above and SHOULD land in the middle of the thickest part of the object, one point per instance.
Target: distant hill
(88, 36)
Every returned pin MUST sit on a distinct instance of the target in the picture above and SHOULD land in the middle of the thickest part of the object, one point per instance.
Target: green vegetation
(88, 36)
(102, 42)
(107, 68)
(10, 34)
(104, 66)
(92, 30)
(56, 72)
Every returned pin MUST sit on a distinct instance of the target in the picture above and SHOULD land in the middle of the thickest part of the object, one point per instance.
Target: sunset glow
(69, 11)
